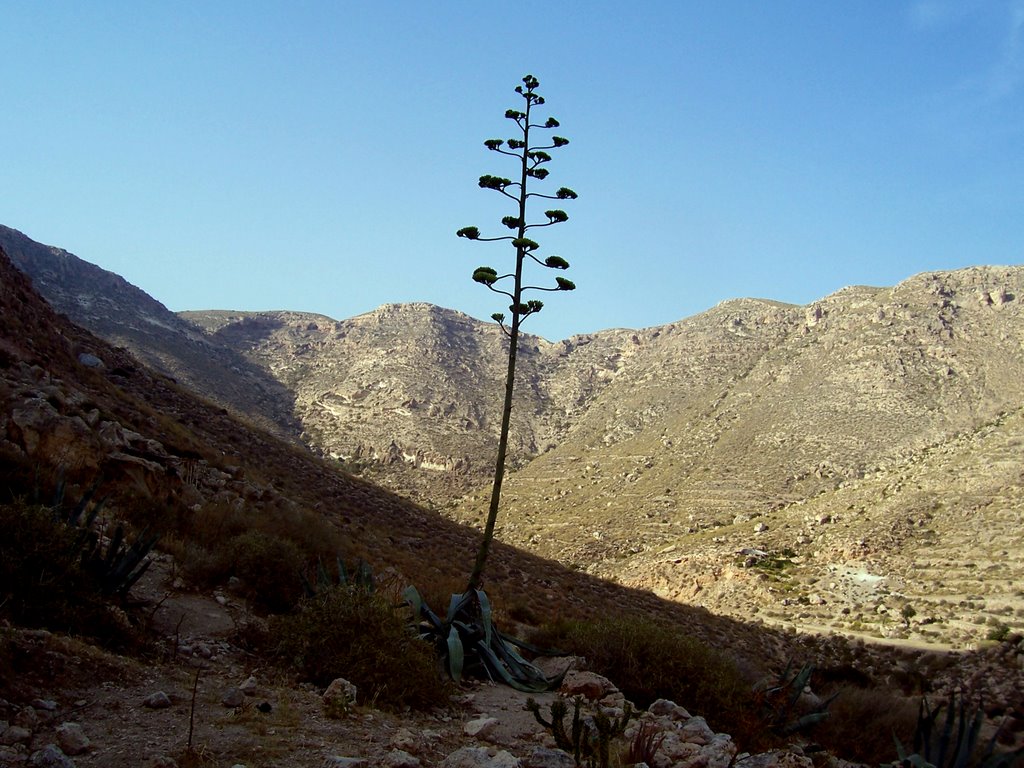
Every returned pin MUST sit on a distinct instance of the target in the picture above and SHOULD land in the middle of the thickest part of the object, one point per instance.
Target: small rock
(27, 718)
(50, 756)
(340, 693)
(478, 757)
(480, 727)
(16, 734)
(781, 758)
(398, 758)
(249, 686)
(337, 761)
(47, 705)
(542, 757)
(72, 738)
(160, 761)
(405, 740)
(233, 698)
(158, 700)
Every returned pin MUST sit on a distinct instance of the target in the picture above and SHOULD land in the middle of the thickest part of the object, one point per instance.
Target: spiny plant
(956, 742)
(466, 638)
(468, 642)
(361, 577)
(780, 701)
(116, 566)
(530, 159)
(589, 738)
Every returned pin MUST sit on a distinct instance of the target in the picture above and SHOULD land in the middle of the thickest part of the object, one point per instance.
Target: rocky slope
(853, 446)
(126, 316)
(861, 442)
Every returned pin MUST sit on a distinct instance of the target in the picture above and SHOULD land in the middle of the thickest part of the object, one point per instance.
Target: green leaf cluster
(469, 643)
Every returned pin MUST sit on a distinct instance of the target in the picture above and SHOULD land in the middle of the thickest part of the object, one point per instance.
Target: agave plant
(954, 744)
(118, 565)
(469, 643)
(779, 702)
(361, 577)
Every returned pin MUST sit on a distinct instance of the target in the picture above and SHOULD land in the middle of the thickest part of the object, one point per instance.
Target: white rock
(542, 757)
(666, 708)
(158, 700)
(697, 731)
(480, 727)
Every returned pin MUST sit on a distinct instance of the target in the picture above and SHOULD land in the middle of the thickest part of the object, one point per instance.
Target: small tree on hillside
(530, 159)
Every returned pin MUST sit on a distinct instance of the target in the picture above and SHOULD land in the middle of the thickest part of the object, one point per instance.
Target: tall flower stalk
(530, 160)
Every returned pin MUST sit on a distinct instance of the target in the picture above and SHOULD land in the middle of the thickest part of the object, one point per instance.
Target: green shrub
(270, 569)
(999, 632)
(349, 632)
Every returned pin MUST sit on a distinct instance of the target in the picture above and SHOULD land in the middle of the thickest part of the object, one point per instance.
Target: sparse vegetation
(347, 631)
(650, 661)
(46, 582)
(956, 742)
(589, 738)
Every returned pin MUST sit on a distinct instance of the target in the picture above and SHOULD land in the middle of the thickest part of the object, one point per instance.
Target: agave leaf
(412, 597)
(805, 722)
(799, 683)
(901, 752)
(456, 654)
(494, 665)
(454, 606)
(113, 548)
(485, 615)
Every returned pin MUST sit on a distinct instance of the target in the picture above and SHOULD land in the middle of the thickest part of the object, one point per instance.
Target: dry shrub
(649, 661)
(358, 635)
(270, 569)
(862, 723)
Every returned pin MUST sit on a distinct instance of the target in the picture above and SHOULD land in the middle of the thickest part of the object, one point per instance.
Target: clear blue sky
(319, 156)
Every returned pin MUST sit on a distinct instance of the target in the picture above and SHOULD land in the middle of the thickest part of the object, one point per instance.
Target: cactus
(591, 737)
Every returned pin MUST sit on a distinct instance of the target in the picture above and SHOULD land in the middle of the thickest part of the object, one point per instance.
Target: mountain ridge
(740, 428)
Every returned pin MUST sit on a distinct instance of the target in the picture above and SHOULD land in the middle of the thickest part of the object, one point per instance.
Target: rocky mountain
(411, 393)
(126, 316)
(833, 466)
(826, 465)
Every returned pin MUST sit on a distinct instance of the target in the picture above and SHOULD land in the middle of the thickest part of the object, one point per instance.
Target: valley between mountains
(855, 465)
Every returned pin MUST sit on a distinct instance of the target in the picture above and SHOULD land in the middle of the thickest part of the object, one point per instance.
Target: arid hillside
(821, 466)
